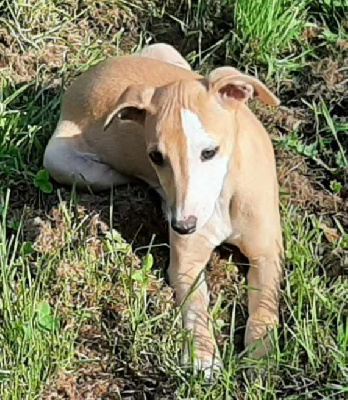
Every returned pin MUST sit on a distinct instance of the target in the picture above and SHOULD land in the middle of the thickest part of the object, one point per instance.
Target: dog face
(190, 129)
(189, 147)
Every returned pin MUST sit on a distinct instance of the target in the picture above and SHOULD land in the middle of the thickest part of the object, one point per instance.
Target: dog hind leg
(69, 165)
(165, 52)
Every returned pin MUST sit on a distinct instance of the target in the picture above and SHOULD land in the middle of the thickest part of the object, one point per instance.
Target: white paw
(207, 365)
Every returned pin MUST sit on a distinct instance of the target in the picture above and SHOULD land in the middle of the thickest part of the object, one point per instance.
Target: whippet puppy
(148, 116)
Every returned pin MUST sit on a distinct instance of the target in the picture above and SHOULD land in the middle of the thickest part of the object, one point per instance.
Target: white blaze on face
(205, 178)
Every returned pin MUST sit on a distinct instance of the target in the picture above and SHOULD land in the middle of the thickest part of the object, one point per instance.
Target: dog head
(190, 127)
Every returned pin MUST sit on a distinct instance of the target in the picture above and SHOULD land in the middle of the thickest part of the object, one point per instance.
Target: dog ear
(132, 105)
(233, 86)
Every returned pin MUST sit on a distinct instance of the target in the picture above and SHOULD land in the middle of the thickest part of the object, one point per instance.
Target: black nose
(186, 226)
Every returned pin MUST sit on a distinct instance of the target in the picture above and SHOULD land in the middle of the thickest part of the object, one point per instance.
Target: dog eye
(156, 157)
(208, 154)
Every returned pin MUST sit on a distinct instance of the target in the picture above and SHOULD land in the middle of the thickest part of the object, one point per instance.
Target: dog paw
(260, 348)
(203, 363)
(258, 338)
(209, 366)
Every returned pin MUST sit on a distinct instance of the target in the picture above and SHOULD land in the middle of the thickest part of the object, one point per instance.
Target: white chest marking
(219, 227)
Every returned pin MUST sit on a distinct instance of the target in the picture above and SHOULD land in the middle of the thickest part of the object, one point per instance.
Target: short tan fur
(149, 117)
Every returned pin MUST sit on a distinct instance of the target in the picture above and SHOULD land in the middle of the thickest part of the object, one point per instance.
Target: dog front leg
(263, 301)
(188, 258)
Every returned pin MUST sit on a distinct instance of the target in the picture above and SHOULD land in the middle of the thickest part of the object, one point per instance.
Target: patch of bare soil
(93, 379)
(28, 48)
(105, 366)
(303, 182)
(320, 82)
(84, 383)
(303, 189)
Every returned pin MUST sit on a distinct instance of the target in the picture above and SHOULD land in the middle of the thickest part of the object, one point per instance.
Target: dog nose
(185, 226)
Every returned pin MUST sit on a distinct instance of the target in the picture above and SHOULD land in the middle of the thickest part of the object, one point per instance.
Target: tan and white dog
(148, 116)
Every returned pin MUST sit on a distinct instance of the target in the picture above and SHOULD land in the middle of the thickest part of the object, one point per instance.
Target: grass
(85, 308)
(267, 29)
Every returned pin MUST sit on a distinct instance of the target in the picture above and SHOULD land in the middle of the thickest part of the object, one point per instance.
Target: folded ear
(231, 86)
(132, 105)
